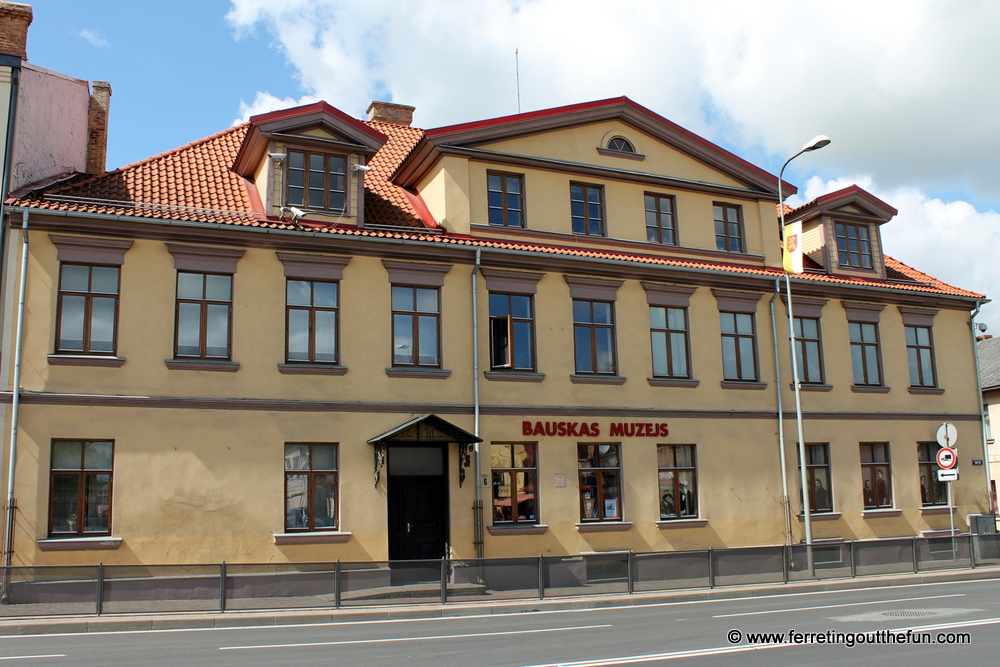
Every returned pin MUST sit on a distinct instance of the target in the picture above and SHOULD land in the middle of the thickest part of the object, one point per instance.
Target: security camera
(295, 212)
(982, 327)
(277, 157)
(360, 167)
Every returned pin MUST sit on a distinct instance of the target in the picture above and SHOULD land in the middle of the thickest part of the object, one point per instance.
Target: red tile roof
(195, 182)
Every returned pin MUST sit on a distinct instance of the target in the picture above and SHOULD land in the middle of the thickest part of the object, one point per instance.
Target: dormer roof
(347, 134)
(852, 202)
(623, 109)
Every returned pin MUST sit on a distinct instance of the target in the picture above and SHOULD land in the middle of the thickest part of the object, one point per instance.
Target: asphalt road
(700, 632)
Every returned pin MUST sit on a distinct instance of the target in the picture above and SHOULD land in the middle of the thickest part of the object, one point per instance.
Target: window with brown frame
(932, 491)
(587, 209)
(310, 486)
(80, 487)
(621, 145)
(88, 309)
(515, 482)
(204, 313)
(594, 336)
(600, 482)
(818, 478)
(678, 481)
(312, 321)
(854, 246)
(316, 181)
(739, 347)
(512, 332)
(505, 199)
(660, 219)
(668, 330)
(865, 356)
(416, 326)
(728, 227)
(808, 350)
(876, 480)
(920, 354)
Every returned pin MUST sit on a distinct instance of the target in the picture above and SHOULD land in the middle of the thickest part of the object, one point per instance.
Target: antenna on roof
(517, 73)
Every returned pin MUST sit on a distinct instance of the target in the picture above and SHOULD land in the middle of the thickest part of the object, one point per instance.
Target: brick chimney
(14, 21)
(387, 112)
(97, 126)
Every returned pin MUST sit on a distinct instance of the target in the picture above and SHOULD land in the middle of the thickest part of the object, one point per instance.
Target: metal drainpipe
(479, 531)
(982, 408)
(781, 420)
(8, 547)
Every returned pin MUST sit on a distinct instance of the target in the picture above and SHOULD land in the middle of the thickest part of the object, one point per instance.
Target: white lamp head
(816, 143)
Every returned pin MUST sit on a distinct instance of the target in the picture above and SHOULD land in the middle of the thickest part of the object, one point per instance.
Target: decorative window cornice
(90, 250)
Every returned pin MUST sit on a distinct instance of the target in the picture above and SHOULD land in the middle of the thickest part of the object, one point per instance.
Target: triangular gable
(311, 121)
(851, 201)
(426, 429)
(426, 153)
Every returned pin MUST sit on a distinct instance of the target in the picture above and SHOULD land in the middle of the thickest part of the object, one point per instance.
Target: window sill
(102, 543)
(628, 156)
(311, 369)
(514, 376)
(940, 533)
(604, 526)
(666, 524)
(667, 382)
(822, 516)
(218, 365)
(811, 387)
(85, 360)
(427, 373)
(517, 529)
(881, 513)
(596, 379)
(869, 389)
(733, 384)
(932, 510)
(931, 391)
(314, 537)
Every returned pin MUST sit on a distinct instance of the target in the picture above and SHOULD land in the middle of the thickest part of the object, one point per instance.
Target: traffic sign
(947, 475)
(947, 435)
(946, 458)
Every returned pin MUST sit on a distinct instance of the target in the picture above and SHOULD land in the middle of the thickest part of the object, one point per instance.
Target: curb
(238, 619)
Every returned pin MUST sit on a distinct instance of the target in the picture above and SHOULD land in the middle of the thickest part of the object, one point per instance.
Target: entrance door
(418, 502)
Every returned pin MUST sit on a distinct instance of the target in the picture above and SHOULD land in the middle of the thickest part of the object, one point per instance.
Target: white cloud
(265, 102)
(94, 38)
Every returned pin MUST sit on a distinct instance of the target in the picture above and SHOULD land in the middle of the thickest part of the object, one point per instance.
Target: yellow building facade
(311, 338)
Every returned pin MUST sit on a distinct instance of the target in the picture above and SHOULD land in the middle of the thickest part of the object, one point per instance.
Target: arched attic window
(621, 145)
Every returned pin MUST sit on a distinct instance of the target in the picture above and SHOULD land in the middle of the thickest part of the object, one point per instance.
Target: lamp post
(815, 144)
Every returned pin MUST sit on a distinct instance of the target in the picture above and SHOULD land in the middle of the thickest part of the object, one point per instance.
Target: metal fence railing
(123, 589)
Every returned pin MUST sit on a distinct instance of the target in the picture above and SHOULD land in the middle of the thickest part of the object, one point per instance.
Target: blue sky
(906, 89)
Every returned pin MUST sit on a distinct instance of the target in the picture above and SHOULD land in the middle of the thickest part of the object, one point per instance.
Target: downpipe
(11, 505)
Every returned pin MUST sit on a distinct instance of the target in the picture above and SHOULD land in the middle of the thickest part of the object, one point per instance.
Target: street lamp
(816, 143)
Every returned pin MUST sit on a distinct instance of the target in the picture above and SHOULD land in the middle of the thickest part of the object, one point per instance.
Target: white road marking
(414, 639)
(948, 626)
(833, 606)
(536, 612)
(29, 657)
(655, 657)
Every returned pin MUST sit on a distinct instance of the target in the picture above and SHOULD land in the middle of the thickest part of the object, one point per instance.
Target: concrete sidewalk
(230, 619)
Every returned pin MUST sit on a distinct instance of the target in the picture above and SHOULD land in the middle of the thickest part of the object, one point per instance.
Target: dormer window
(316, 181)
(854, 248)
(621, 145)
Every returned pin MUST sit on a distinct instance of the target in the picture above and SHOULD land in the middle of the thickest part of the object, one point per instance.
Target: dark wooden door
(418, 517)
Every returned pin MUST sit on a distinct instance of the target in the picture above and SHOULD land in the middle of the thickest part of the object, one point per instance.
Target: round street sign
(947, 435)
(946, 458)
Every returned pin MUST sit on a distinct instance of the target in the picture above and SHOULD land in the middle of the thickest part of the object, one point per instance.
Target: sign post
(947, 458)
